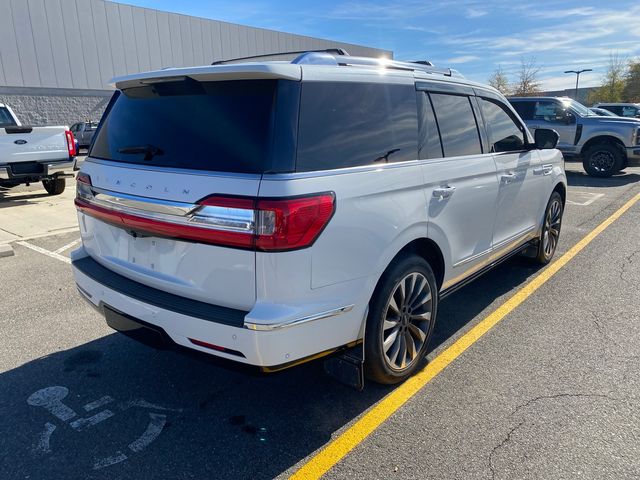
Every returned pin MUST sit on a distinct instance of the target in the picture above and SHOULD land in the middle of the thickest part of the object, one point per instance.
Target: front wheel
(54, 186)
(603, 160)
(402, 314)
(550, 234)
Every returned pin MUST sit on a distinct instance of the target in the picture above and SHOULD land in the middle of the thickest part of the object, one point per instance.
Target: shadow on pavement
(210, 422)
(581, 179)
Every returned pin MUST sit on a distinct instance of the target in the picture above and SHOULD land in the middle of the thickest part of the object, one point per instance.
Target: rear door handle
(509, 177)
(543, 170)
(443, 192)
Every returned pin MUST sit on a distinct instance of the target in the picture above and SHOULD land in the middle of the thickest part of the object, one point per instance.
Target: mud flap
(347, 367)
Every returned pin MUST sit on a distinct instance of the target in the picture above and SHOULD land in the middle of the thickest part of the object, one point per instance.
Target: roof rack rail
(324, 58)
(335, 51)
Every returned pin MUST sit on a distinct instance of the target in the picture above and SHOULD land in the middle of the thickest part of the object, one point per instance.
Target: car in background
(83, 132)
(605, 145)
(602, 112)
(272, 213)
(631, 110)
(32, 154)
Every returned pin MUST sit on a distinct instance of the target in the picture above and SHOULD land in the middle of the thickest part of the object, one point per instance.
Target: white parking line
(67, 246)
(594, 197)
(44, 252)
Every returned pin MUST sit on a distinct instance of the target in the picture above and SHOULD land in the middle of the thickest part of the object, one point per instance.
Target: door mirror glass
(546, 138)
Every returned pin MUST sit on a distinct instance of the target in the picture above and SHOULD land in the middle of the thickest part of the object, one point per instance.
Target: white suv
(271, 213)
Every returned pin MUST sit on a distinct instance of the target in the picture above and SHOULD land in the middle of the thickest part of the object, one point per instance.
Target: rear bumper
(135, 310)
(41, 170)
(633, 156)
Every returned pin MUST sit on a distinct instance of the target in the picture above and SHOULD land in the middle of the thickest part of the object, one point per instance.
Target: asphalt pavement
(551, 392)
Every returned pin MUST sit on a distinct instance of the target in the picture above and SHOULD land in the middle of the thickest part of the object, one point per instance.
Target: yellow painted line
(335, 451)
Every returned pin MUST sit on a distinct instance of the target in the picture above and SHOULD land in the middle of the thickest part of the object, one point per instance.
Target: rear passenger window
(457, 124)
(504, 134)
(524, 109)
(429, 145)
(350, 124)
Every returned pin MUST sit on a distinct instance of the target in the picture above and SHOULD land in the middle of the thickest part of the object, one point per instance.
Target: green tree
(500, 82)
(528, 82)
(613, 82)
(631, 92)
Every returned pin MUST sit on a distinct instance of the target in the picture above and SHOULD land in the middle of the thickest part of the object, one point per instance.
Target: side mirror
(570, 119)
(546, 139)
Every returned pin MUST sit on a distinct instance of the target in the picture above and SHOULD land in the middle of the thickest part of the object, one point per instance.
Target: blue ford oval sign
(20, 142)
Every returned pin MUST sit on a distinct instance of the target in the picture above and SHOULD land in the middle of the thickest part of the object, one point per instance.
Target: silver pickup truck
(33, 154)
(605, 145)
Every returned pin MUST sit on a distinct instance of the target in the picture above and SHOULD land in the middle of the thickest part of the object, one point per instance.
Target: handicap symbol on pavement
(51, 399)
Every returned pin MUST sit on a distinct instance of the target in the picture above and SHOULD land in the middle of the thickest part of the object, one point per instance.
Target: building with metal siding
(57, 56)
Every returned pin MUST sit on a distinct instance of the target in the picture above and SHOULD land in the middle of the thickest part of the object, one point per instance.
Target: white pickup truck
(33, 154)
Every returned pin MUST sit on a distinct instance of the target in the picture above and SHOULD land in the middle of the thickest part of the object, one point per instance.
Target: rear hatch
(166, 195)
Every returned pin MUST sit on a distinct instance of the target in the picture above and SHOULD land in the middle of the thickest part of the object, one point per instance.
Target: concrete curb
(6, 250)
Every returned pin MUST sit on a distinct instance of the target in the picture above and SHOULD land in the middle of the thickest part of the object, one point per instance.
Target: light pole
(578, 72)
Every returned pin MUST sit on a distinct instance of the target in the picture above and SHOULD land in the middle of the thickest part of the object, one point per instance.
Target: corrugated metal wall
(84, 43)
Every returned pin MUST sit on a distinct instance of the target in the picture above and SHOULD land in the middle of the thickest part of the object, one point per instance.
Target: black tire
(411, 325)
(551, 225)
(54, 186)
(603, 160)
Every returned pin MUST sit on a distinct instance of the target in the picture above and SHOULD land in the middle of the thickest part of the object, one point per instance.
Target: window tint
(549, 112)
(504, 134)
(219, 126)
(524, 109)
(351, 124)
(615, 109)
(457, 124)
(429, 145)
(6, 120)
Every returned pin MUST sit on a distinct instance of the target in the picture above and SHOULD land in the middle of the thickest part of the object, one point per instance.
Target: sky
(473, 36)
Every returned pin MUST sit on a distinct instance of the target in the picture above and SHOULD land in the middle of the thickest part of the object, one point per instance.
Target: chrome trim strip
(126, 202)
(210, 217)
(268, 327)
(495, 247)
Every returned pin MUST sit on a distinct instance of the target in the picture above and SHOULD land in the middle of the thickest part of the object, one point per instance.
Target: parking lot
(552, 391)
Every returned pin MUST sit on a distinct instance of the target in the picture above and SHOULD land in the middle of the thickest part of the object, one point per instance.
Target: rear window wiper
(149, 151)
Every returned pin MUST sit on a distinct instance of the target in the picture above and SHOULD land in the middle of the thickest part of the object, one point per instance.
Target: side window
(344, 124)
(505, 135)
(74, 128)
(524, 109)
(629, 111)
(615, 109)
(457, 124)
(429, 145)
(549, 112)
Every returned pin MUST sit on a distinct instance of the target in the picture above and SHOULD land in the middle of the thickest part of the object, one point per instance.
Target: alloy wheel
(407, 321)
(552, 222)
(602, 161)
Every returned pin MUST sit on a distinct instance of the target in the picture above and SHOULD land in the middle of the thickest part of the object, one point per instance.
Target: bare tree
(528, 82)
(631, 92)
(613, 82)
(500, 82)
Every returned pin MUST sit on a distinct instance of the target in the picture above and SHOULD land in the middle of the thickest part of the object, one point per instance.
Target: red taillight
(71, 143)
(291, 223)
(280, 223)
(83, 178)
(242, 222)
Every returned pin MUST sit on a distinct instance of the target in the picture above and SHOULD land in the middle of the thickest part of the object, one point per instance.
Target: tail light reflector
(71, 143)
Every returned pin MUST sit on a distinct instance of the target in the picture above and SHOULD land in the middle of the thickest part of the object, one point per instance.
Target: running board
(347, 367)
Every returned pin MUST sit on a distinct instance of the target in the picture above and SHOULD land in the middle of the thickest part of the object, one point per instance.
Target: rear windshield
(6, 120)
(217, 126)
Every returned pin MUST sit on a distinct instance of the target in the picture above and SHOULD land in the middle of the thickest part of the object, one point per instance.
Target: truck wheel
(603, 160)
(550, 234)
(54, 186)
(402, 313)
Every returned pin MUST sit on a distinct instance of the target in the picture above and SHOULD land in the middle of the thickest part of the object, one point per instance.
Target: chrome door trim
(268, 327)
